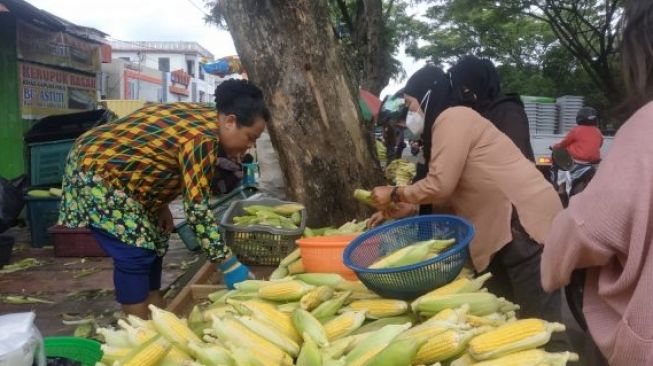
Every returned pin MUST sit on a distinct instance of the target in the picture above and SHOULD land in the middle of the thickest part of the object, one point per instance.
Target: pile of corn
(285, 216)
(401, 172)
(381, 151)
(349, 227)
(322, 319)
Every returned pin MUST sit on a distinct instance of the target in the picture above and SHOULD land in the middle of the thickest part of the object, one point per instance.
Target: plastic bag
(21, 343)
(11, 201)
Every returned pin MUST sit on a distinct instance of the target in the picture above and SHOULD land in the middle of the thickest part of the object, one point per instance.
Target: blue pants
(136, 271)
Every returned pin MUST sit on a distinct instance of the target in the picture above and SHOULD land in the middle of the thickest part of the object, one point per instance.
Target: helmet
(393, 109)
(587, 116)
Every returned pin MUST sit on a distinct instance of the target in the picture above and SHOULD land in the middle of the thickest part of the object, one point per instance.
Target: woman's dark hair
(242, 99)
(637, 53)
(480, 76)
(434, 79)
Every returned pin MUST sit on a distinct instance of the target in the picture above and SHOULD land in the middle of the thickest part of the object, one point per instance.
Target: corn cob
(136, 336)
(137, 322)
(269, 313)
(296, 267)
(410, 254)
(219, 296)
(195, 315)
(380, 308)
(320, 279)
(517, 336)
(465, 272)
(380, 323)
(355, 296)
(480, 303)
(330, 307)
(245, 357)
(344, 324)
(399, 352)
(310, 354)
(279, 273)
(493, 320)
(443, 346)
(465, 360)
(371, 345)
(229, 330)
(270, 333)
(114, 337)
(430, 329)
(251, 285)
(111, 354)
(288, 307)
(219, 311)
(463, 285)
(307, 323)
(293, 256)
(458, 315)
(210, 354)
(315, 297)
(337, 348)
(288, 209)
(331, 362)
(353, 286)
(172, 328)
(284, 290)
(147, 354)
(533, 357)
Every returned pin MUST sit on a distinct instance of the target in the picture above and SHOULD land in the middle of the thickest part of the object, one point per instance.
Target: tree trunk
(376, 73)
(288, 50)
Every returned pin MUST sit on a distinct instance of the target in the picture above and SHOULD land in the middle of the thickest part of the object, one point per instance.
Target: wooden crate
(204, 282)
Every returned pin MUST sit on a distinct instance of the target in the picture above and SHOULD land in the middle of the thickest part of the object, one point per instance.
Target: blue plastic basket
(412, 281)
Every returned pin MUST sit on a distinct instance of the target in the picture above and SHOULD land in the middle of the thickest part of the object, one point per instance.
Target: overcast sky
(159, 20)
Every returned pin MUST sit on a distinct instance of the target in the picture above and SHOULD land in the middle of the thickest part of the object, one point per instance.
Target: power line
(198, 8)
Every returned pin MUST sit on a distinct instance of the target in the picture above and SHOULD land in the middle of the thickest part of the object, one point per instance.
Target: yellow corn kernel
(462, 285)
(443, 346)
(430, 329)
(147, 354)
(380, 308)
(284, 290)
(229, 330)
(516, 336)
(175, 357)
(296, 267)
(136, 335)
(269, 313)
(271, 333)
(305, 322)
(374, 343)
(173, 328)
(344, 324)
(111, 354)
(315, 297)
(533, 357)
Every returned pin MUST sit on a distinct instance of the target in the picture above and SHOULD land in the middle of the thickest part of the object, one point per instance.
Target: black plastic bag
(11, 200)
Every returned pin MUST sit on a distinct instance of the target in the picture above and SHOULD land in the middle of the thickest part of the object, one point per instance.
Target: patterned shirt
(120, 174)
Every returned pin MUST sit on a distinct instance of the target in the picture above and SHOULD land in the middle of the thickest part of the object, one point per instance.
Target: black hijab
(480, 77)
(434, 79)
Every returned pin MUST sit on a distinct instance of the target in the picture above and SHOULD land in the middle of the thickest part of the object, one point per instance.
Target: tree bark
(288, 50)
(376, 70)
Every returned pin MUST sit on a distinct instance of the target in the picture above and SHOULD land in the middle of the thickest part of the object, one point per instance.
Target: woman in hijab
(481, 175)
(476, 84)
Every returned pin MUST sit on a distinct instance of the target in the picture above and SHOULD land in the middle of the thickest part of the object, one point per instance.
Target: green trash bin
(85, 351)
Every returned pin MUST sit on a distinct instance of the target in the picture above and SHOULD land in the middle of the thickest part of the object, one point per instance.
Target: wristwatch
(394, 195)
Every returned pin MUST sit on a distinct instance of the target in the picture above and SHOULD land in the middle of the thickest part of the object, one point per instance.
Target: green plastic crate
(85, 351)
(42, 212)
(47, 162)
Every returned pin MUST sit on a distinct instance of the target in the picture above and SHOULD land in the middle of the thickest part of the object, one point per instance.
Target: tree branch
(345, 14)
(388, 11)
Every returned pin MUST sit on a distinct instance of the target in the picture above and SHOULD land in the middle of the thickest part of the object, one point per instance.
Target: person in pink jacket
(608, 228)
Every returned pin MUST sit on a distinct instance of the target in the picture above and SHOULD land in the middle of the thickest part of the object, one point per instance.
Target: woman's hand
(398, 211)
(381, 196)
(164, 219)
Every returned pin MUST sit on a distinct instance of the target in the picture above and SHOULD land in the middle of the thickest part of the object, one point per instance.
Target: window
(201, 72)
(132, 89)
(164, 64)
(190, 67)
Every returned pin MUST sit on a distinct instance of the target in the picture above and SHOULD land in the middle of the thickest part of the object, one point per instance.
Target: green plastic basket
(47, 162)
(86, 351)
(219, 208)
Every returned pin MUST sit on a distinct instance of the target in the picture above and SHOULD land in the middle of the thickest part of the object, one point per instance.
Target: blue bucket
(412, 281)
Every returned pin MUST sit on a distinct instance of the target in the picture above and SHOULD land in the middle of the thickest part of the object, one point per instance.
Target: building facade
(179, 65)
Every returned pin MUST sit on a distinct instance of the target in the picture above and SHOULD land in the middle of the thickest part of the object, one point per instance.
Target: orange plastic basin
(323, 254)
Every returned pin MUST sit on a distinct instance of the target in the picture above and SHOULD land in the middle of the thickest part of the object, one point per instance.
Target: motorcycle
(570, 178)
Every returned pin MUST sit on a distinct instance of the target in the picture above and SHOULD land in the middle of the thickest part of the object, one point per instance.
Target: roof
(28, 12)
(162, 46)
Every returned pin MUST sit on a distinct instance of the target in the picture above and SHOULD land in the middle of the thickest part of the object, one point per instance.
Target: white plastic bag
(21, 343)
